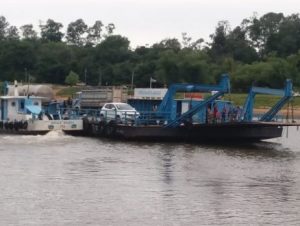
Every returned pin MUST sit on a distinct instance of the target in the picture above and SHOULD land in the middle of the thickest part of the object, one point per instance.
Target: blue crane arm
(166, 103)
(194, 110)
(267, 117)
(275, 92)
(223, 87)
(286, 94)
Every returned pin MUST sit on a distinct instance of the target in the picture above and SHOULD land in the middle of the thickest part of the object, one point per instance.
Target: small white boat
(25, 115)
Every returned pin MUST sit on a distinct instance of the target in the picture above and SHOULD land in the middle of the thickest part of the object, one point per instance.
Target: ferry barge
(207, 119)
(237, 132)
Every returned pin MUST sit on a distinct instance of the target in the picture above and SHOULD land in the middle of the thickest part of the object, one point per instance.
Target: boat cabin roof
(21, 97)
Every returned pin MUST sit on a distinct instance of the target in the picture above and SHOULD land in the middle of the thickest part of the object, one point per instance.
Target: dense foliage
(262, 50)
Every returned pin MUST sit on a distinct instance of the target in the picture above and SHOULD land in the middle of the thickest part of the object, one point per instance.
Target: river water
(58, 179)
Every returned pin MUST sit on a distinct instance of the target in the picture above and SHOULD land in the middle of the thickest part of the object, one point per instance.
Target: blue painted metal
(167, 106)
(286, 94)
(29, 105)
(199, 117)
(5, 88)
(33, 109)
(187, 115)
(247, 113)
(4, 109)
(53, 108)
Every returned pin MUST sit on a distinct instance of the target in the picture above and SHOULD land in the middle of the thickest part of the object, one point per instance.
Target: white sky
(145, 21)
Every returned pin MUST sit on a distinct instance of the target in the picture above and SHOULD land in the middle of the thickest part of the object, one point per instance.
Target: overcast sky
(145, 21)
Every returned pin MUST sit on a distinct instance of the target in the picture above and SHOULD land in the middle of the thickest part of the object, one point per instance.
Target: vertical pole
(25, 74)
(100, 78)
(28, 81)
(132, 77)
(85, 72)
(150, 82)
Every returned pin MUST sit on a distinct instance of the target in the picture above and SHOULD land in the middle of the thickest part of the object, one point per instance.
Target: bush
(72, 79)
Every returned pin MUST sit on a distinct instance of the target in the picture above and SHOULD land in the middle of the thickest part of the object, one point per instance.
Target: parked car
(120, 112)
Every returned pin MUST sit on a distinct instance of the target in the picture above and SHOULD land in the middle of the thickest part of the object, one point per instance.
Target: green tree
(219, 40)
(54, 62)
(227, 43)
(114, 49)
(270, 73)
(28, 32)
(184, 66)
(110, 29)
(239, 48)
(72, 78)
(264, 50)
(75, 32)
(3, 27)
(261, 29)
(51, 31)
(15, 57)
(286, 40)
(12, 33)
(168, 44)
(294, 63)
(94, 33)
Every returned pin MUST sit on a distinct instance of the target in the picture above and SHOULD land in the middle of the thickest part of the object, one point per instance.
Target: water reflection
(259, 150)
(167, 166)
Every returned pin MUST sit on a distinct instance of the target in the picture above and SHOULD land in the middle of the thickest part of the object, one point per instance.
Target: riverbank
(283, 112)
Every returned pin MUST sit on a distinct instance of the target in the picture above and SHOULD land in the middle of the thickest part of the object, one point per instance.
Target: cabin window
(36, 103)
(21, 105)
(13, 104)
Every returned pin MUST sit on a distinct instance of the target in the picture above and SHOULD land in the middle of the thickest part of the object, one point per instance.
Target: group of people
(227, 114)
(67, 103)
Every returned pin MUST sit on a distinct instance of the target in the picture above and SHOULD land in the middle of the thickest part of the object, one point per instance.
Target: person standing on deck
(215, 113)
(224, 111)
(209, 115)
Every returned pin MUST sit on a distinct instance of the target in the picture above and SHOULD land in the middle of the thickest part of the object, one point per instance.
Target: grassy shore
(261, 101)
(265, 102)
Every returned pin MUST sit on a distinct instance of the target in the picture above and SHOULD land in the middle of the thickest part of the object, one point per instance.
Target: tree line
(262, 50)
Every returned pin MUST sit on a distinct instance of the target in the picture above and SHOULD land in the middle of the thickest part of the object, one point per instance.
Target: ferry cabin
(19, 108)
